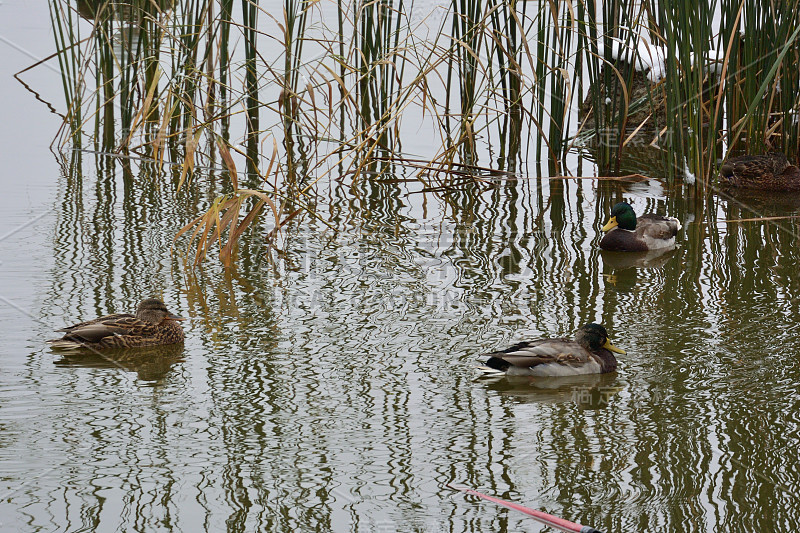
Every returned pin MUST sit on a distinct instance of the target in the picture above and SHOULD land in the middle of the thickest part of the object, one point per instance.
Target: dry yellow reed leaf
(229, 163)
(188, 163)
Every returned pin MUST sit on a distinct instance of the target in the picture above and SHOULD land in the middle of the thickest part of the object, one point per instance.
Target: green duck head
(594, 337)
(154, 311)
(622, 215)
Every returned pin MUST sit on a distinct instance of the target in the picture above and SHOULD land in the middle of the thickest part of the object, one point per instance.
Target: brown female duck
(768, 172)
(152, 325)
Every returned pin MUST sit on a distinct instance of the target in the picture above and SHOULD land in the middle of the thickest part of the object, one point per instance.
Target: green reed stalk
(504, 48)
(226, 18)
(467, 31)
(540, 85)
(685, 27)
(767, 77)
(342, 69)
(591, 63)
(67, 35)
(106, 92)
(560, 99)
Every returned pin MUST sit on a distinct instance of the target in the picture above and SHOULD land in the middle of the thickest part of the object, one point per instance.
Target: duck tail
(495, 363)
(65, 344)
(493, 367)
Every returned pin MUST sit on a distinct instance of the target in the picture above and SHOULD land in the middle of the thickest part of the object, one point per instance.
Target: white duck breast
(556, 370)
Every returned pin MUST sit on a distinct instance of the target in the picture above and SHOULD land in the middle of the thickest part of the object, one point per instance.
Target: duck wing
(657, 227)
(110, 318)
(544, 351)
(111, 325)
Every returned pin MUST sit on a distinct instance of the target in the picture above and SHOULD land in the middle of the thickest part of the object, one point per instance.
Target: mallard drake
(589, 353)
(626, 233)
(771, 172)
(152, 325)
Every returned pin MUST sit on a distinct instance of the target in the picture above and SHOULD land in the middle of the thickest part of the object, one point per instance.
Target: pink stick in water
(548, 519)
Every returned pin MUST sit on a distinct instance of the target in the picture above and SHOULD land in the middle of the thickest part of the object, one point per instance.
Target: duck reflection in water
(150, 364)
(593, 391)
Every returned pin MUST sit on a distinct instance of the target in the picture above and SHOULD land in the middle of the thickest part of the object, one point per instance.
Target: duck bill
(177, 318)
(609, 346)
(611, 224)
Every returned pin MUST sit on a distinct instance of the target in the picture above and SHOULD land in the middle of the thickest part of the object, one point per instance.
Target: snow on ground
(636, 48)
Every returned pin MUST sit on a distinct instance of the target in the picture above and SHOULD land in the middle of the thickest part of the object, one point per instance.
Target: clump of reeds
(178, 83)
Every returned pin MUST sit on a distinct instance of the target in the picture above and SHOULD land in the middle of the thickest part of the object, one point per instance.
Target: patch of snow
(688, 176)
(713, 62)
(643, 54)
(636, 48)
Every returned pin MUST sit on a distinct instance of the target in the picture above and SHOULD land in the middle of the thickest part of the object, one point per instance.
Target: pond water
(333, 389)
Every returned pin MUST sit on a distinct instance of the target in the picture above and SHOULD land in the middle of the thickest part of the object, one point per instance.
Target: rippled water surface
(332, 388)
